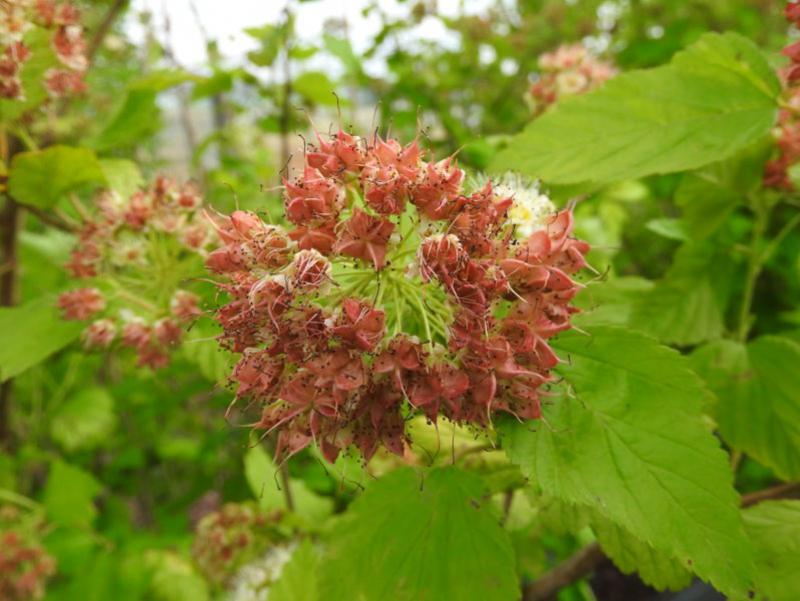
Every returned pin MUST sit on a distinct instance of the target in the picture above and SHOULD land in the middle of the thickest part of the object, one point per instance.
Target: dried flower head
(137, 254)
(231, 537)
(395, 292)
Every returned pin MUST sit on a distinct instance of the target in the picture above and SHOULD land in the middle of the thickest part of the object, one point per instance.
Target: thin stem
(754, 266)
(776, 241)
(286, 485)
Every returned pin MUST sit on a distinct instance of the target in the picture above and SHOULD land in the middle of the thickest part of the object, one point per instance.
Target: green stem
(754, 265)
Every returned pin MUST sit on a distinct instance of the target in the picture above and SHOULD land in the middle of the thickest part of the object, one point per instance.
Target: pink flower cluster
(67, 43)
(25, 567)
(136, 251)
(567, 71)
(343, 364)
(776, 171)
(228, 538)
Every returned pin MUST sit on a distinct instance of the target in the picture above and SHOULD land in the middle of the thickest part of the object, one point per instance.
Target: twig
(565, 573)
(104, 27)
(51, 219)
(286, 486)
(781, 491)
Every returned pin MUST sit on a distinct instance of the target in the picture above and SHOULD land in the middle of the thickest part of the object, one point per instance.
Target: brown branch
(565, 573)
(781, 491)
(105, 26)
(584, 561)
(9, 229)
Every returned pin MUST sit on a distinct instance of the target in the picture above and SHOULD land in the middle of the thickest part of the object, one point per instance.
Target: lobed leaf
(629, 440)
(420, 540)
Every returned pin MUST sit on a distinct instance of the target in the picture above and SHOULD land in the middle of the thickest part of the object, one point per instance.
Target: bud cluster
(787, 132)
(569, 70)
(229, 538)
(25, 566)
(62, 22)
(136, 254)
(395, 292)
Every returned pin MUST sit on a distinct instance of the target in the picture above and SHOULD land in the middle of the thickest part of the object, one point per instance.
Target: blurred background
(227, 94)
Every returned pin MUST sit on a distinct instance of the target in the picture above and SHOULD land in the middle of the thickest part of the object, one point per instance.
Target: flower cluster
(567, 71)
(24, 566)
(787, 132)
(61, 20)
(136, 254)
(227, 539)
(396, 291)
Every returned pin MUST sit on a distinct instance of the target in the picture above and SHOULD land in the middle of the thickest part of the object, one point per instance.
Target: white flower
(252, 582)
(531, 207)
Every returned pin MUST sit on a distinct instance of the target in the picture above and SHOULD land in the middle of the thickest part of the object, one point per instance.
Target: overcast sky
(225, 19)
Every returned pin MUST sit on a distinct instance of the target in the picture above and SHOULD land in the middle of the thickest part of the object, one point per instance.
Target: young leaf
(713, 99)
(122, 176)
(758, 388)
(262, 476)
(63, 168)
(85, 420)
(418, 539)
(629, 440)
(774, 529)
(31, 333)
(69, 495)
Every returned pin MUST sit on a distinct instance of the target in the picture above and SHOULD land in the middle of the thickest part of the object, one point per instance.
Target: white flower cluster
(253, 581)
(531, 207)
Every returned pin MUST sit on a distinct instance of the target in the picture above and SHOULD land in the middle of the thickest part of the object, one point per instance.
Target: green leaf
(219, 82)
(41, 177)
(262, 476)
(630, 554)
(122, 176)
(774, 529)
(31, 333)
(708, 196)
(298, 580)
(341, 49)
(138, 117)
(668, 227)
(174, 578)
(408, 538)
(69, 495)
(688, 305)
(316, 88)
(611, 302)
(714, 98)
(758, 388)
(270, 37)
(630, 441)
(85, 420)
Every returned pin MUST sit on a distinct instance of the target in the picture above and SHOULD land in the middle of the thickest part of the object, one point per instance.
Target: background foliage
(677, 411)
